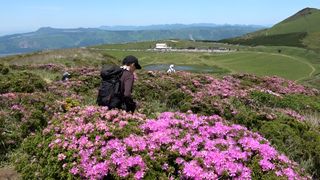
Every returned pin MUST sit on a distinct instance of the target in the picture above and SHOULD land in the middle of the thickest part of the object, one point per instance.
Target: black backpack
(110, 88)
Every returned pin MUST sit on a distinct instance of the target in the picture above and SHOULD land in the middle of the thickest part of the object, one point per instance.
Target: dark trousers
(125, 103)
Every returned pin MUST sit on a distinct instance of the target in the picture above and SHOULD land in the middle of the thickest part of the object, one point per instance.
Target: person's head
(132, 62)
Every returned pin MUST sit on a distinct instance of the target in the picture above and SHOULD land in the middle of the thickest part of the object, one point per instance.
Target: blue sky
(29, 15)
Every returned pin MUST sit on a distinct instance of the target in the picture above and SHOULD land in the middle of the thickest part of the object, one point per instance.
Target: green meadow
(291, 63)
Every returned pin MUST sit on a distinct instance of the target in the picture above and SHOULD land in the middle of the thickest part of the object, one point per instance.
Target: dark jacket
(122, 99)
(127, 80)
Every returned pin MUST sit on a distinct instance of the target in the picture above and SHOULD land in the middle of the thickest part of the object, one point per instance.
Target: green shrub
(22, 82)
(21, 116)
(179, 101)
(297, 102)
(296, 140)
(3, 69)
(70, 103)
(31, 167)
(87, 83)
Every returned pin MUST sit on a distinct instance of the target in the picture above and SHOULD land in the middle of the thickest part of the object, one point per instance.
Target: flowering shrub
(94, 143)
(227, 87)
(82, 81)
(258, 108)
(270, 106)
(293, 114)
(49, 67)
(284, 86)
(213, 95)
(23, 114)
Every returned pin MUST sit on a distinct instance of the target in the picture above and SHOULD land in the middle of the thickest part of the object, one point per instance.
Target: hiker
(116, 86)
(65, 76)
(171, 70)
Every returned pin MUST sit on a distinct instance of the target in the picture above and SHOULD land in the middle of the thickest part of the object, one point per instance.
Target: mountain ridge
(55, 38)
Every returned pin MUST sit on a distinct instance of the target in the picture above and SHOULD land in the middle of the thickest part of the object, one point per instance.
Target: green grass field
(260, 63)
(292, 63)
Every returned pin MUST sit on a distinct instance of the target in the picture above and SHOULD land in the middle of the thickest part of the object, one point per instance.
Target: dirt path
(8, 173)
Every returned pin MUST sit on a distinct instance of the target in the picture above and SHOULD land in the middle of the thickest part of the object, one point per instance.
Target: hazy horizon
(18, 17)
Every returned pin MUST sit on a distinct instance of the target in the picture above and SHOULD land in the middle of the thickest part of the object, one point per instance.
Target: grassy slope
(299, 30)
(301, 22)
(292, 63)
(260, 63)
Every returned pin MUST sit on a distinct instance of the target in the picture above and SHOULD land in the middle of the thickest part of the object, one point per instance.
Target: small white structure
(162, 46)
(171, 70)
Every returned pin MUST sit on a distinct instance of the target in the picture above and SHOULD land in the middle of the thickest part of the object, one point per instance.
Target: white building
(162, 46)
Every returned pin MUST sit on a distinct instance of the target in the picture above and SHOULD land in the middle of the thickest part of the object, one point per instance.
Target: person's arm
(128, 84)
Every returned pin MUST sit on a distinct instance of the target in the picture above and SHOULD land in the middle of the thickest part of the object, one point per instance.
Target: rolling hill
(300, 30)
(52, 38)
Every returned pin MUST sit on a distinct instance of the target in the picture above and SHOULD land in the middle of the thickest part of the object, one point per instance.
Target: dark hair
(128, 60)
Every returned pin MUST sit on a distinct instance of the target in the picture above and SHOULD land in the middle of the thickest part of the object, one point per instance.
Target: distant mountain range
(300, 30)
(52, 38)
(172, 27)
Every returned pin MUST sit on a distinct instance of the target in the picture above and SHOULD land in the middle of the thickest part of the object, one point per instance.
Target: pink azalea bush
(49, 67)
(82, 81)
(226, 87)
(283, 86)
(293, 114)
(203, 86)
(94, 143)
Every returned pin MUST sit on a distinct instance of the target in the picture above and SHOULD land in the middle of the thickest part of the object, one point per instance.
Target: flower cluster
(183, 145)
(226, 87)
(50, 67)
(82, 80)
(92, 142)
(293, 114)
(283, 86)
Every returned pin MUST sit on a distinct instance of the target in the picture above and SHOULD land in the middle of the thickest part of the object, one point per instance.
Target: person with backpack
(117, 84)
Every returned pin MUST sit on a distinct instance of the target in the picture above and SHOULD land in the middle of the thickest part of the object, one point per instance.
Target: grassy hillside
(292, 63)
(306, 20)
(299, 30)
(245, 62)
(290, 39)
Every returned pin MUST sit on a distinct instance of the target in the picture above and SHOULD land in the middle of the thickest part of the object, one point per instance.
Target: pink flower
(74, 170)
(179, 160)
(139, 175)
(283, 158)
(64, 165)
(266, 165)
(123, 123)
(61, 157)
(165, 166)
(290, 173)
(192, 170)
